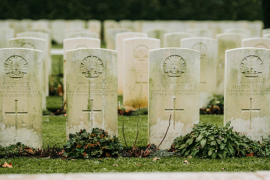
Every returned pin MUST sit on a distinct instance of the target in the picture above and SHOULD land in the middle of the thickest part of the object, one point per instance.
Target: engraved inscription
(251, 66)
(200, 47)
(91, 67)
(250, 110)
(15, 67)
(141, 53)
(174, 66)
(28, 45)
(261, 45)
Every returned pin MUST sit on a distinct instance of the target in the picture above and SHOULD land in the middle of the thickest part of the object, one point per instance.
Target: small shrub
(92, 145)
(15, 150)
(210, 141)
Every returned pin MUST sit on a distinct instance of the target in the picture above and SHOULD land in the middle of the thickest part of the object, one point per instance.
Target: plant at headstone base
(215, 106)
(210, 141)
(92, 145)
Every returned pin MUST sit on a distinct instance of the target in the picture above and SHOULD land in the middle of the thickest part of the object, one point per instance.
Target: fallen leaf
(249, 155)
(186, 162)
(115, 165)
(189, 156)
(7, 165)
(222, 168)
(138, 164)
(156, 158)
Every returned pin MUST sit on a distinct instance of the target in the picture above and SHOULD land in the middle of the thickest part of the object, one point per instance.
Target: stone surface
(111, 36)
(256, 42)
(94, 26)
(226, 41)
(45, 36)
(174, 87)
(266, 31)
(37, 44)
(42, 23)
(127, 24)
(158, 33)
(83, 33)
(120, 49)
(20, 99)
(5, 35)
(266, 35)
(201, 32)
(135, 82)
(174, 39)
(75, 23)
(58, 28)
(208, 65)
(238, 30)
(108, 24)
(247, 93)
(91, 90)
(77, 43)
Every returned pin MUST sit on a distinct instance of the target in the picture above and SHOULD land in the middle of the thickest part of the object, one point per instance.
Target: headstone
(120, 49)
(4, 24)
(158, 33)
(92, 90)
(266, 31)
(255, 28)
(201, 32)
(45, 36)
(174, 81)
(75, 29)
(20, 99)
(208, 66)
(256, 42)
(111, 36)
(266, 35)
(135, 81)
(58, 29)
(174, 39)
(247, 91)
(37, 44)
(42, 23)
(225, 41)
(238, 30)
(21, 25)
(5, 35)
(77, 43)
(82, 34)
(75, 23)
(108, 24)
(94, 26)
(128, 24)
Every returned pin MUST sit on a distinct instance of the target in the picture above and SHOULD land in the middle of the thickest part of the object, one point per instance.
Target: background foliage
(136, 9)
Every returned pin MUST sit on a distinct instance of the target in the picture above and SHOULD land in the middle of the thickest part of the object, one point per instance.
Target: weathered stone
(201, 32)
(77, 43)
(135, 78)
(226, 41)
(42, 23)
(174, 39)
(256, 42)
(20, 99)
(246, 102)
(108, 24)
(238, 30)
(266, 31)
(128, 24)
(266, 35)
(94, 26)
(208, 65)
(158, 33)
(83, 33)
(5, 35)
(111, 36)
(75, 23)
(58, 28)
(37, 44)
(91, 90)
(174, 82)
(120, 49)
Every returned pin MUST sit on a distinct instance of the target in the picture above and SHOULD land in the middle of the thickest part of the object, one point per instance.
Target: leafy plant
(92, 145)
(210, 141)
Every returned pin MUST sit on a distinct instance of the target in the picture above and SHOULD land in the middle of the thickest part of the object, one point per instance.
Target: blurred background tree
(137, 9)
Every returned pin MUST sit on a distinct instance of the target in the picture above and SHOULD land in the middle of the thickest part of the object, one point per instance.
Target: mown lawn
(54, 133)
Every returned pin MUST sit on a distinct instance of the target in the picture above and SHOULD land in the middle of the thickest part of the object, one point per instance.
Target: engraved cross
(250, 110)
(16, 113)
(174, 110)
(141, 83)
(91, 110)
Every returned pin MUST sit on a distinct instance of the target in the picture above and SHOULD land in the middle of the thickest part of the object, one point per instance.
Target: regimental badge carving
(81, 47)
(200, 47)
(174, 66)
(28, 45)
(251, 66)
(141, 53)
(15, 67)
(261, 45)
(91, 67)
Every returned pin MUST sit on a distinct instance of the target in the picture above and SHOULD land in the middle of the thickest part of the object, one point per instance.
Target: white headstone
(108, 24)
(266, 31)
(201, 32)
(5, 35)
(21, 107)
(208, 65)
(37, 44)
(174, 82)
(266, 35)
(238, 30)
(92, 90)
(127, 24)
(174, 39)
(84, 33)
(158, 33)
(75, 23)
(120, 50)
(256, 42)
(111, 36)
(42, 23)
(135, 82)
(76, 43)
(247, 91)
(58, 29)
(94, 26)
(226, 41)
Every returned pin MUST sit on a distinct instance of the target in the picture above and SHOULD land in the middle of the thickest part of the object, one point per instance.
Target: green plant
(211, 141)
(92, 145)
(14, 150)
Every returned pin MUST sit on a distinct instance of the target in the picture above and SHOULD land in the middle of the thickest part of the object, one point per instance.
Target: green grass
(54, 128)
